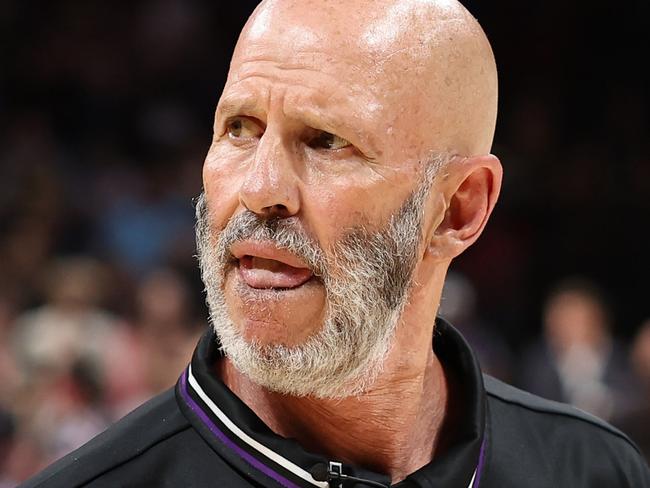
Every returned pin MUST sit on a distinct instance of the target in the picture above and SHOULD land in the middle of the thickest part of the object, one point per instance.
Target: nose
(270, 187)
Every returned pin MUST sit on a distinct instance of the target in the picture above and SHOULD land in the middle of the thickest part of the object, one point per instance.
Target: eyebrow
(238, 104)
(317, 117)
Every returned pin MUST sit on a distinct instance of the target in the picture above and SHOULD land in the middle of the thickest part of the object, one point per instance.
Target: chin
(272, 317)
(270, 334)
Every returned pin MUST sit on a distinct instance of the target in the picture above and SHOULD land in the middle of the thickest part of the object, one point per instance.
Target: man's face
(366, 280)
(311, 224)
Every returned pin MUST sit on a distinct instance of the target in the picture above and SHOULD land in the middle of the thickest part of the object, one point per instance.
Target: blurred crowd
(577, 358)
(105, 117)
(71, 366)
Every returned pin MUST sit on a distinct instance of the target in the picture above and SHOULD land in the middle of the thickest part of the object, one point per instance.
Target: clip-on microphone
(335, 477)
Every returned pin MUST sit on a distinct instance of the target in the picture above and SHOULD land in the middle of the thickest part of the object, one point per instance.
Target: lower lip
(251, 295)
(274, 293)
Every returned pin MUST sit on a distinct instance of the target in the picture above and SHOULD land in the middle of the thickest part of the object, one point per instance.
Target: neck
(394, 428)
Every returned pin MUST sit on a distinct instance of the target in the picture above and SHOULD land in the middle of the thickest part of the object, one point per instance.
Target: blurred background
(105, 118)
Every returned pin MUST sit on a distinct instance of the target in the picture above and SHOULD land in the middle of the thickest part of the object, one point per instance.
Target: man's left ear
(470, 190)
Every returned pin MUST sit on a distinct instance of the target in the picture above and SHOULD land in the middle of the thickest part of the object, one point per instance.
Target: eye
(243, 128)
(327, 140)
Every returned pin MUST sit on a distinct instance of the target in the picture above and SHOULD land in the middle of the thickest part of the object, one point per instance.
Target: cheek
(222, 178)
(332, 207)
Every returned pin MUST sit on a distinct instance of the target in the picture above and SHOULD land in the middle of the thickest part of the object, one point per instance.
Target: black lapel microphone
(335, 477)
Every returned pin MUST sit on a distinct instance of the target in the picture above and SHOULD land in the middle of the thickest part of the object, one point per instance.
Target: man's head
(349, 166)
(576, 317)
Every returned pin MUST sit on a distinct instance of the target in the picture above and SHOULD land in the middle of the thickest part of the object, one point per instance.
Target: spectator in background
(138, 229)
(637, 422)
(145, 357)
(577, 360)
(71, 325)
(58, 348)
(82, 367)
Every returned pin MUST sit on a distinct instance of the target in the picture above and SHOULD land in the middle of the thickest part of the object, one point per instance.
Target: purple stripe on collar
(479, 468)
(229, 443)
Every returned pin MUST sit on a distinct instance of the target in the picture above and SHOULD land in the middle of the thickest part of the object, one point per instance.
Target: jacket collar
(236, 433)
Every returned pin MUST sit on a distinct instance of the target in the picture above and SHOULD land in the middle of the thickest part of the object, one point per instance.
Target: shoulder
(558, 444)
(505, 393)
(153, 423)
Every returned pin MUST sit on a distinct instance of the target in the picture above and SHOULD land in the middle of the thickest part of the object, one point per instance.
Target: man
(578, 360)
(350, 164)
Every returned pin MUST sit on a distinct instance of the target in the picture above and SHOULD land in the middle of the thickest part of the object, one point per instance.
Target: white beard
(367, 280)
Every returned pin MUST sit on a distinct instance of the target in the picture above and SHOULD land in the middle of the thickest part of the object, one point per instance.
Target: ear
(470, 189)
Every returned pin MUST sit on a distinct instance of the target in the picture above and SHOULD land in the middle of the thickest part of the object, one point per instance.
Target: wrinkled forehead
(424, 59)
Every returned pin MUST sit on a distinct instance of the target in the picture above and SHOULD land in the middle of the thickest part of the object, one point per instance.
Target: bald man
(350, 164)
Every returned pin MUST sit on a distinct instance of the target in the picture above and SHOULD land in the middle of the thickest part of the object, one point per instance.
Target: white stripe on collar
(471, 482)
(272, 455)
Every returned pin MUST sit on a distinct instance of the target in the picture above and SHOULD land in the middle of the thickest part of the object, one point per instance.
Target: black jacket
(201, 435)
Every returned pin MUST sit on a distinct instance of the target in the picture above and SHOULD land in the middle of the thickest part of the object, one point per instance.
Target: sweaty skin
(329, 116)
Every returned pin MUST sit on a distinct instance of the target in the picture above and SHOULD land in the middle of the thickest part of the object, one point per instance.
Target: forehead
(301, 57)
(314, 73)
(332, 98)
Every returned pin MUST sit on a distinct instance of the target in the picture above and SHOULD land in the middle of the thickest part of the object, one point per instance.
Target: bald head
(335, 118)
(423, 70)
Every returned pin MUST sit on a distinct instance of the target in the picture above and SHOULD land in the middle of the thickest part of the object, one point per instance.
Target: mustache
(284, 233)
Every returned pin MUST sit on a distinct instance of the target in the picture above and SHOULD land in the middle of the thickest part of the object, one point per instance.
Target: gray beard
(367, 279)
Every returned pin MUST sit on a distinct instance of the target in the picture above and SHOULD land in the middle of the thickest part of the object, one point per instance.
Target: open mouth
(264, 266)
(265, 273)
